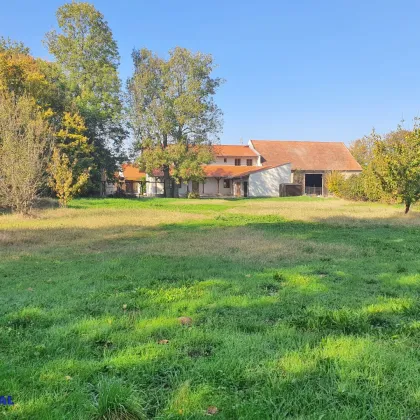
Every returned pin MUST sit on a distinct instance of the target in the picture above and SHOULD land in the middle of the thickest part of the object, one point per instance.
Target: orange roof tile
(233, 150)
(131, 172)
(230, 171)
(307, 155)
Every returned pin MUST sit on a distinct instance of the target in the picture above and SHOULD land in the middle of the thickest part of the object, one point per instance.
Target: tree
(25, 139)
(173, 114)
(62, 179)
(71, 140)
(15, 47)
(397, 165)
(362, 149)
(22, 74)
(87, 52)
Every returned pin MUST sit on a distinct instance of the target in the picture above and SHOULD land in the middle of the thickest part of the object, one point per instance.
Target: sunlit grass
(300, 308)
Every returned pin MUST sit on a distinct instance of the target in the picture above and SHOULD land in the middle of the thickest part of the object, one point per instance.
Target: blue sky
(294, 70)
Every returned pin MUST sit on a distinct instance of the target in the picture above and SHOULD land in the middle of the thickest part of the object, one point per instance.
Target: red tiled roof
(233, 150)
(131, 172)
(307, 155)
(230, 171)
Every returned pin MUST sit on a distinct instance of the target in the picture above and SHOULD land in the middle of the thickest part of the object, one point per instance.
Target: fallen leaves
(185, 320)
(212, 410)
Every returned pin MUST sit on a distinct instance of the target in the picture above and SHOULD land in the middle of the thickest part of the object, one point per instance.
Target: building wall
(220, 160)
(154, 186)
(266, 183)
(210, 188)
(110, 188)
(299, 177)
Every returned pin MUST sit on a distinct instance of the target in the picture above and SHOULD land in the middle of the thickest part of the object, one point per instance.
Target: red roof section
(307, 155)
(230, 171)
(131, 172)
(233, 150)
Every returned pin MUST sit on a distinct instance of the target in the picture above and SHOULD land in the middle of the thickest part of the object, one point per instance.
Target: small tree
(397, 165)
(25, 139)
(62, 180)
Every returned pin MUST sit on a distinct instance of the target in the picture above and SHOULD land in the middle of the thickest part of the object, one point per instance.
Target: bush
(335, 182)
(353, 188)
(361, 187)
(193, 195)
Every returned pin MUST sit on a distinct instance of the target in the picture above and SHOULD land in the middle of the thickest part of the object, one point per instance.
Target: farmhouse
(258, 169)
(310, 161)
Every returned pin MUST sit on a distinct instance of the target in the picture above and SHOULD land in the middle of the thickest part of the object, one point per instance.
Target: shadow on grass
(290, 319)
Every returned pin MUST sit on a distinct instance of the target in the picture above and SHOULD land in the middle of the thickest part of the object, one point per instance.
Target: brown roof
(230, 171)
(307, 155)
(131, 172)
(233, 150)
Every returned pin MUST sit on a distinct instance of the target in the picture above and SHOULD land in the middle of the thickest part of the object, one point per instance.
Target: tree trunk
(166, 182)
(166, 174)
(407, 207)
(176, 190)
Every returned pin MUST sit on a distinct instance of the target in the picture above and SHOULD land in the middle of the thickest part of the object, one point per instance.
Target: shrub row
(362, 187)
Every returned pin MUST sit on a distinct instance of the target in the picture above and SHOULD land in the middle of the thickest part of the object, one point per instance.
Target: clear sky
(295, 70)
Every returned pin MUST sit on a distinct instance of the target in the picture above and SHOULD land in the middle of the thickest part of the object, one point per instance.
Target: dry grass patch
(334, 211)
(63, 226)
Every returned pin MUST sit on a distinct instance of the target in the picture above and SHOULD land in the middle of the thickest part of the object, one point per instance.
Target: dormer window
(237, 162)
(249, 162)
(225, 160)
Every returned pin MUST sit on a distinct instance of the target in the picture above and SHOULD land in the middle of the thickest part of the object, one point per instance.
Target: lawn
(293, 308)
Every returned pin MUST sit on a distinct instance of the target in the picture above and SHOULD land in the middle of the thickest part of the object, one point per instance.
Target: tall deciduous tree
(397, 164)
(173, 114)
(25, 140)
(85, 49)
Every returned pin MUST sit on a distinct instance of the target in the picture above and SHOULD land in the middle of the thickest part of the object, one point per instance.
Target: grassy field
(300, 308)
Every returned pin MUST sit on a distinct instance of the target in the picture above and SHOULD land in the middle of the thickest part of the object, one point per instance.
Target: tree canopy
(173, 114)
(397, 165)
(87, 53)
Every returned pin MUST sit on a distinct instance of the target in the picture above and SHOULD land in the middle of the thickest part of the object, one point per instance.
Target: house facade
(235, 172)
(258, 169)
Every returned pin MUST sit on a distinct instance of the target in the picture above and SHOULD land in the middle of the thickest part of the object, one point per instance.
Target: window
(226, 183)
(249, 162)
(237, 162)
(225, 160)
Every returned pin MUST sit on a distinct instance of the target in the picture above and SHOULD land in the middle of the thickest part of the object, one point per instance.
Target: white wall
(266, 183)
(110, 188)
(231, 160)
(153, 188)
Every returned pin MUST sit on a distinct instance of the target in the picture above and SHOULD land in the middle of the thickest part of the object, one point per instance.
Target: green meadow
(293, 308)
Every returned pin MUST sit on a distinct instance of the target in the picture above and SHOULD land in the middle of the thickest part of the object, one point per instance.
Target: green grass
(300, 308)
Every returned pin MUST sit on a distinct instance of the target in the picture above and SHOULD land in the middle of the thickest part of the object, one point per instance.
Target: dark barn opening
(313, 184)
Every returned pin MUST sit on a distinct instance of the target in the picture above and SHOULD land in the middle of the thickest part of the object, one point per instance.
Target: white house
(237, 171)
(255, 170)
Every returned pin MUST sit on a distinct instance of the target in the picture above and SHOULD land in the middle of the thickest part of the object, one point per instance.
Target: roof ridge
(300, 141)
